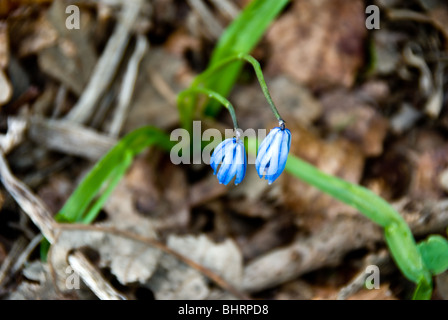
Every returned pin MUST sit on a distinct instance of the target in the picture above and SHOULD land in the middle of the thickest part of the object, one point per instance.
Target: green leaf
(397, 233)
(434, 251)
(84, 204)
(89, 197)
(241, 36)
(423, 290)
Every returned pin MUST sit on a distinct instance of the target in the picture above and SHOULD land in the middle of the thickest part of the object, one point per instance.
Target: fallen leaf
(36, 285)
(350, 115)
(158, 190)
(34, 34)
(152, 105)
(295, 103)
(128, 260)
(320, 43)
(224, 258)
(175, 281)
(72, 58)
(338, 157)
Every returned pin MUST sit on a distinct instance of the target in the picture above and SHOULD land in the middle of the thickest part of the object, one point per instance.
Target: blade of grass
(240, 37)
(89, 197)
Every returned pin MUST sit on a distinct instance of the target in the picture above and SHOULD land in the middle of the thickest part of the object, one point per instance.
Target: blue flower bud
(273, 153)
(232, 154)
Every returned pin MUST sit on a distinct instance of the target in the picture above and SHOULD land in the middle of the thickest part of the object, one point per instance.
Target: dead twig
(15, 134)
(61, 96)
(29, 203)
(213, 26)
(435, 100)
(26, 253)
(40, 215)
(93, 278)
(107, 64)
(128, 84)
(328, 246)
(405, 14)
(13, 255)
(381, 259)
(227, 8)
(158, 245)
(411, 58)
(69, 138)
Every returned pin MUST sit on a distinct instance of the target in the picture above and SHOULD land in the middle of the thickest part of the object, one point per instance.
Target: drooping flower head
(231, 154)
(273, 153)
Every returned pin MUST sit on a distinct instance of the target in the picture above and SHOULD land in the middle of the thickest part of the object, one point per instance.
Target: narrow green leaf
(89, 197)
(83, 205)
(397, 233)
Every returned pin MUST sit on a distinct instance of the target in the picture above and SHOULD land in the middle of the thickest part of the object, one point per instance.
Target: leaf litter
(367, 106)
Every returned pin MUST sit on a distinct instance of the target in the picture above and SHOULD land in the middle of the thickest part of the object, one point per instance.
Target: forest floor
(368, 106)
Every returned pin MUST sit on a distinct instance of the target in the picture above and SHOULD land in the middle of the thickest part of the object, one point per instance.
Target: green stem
(256, 65)
(214, 95)
(398, 236)
(257, 68)
(397, 233)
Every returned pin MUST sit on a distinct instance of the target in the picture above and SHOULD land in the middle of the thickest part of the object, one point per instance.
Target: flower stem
(214, 95)
(255, 64)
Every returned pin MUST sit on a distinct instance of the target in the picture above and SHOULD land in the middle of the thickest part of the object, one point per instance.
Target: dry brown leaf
(128, 260)
(205, 191)
(338, 157)
(34, 34)
(294, 101)
(158, 190)
(56, 191)
(175, 280)
(426, 181)
(7, 6)
(273, 234)
(356, 120)
(180, 42)
(36, 285)
(72, 57)
(412, 166)
(439, 16)
(320, 43)
(427, 152)
(150, 106)
(223, 258)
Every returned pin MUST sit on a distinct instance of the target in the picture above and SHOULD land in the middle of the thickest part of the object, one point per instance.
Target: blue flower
(232, 154)
(273, 153)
